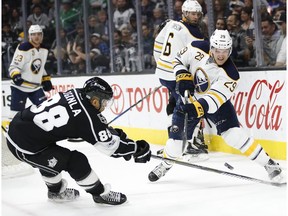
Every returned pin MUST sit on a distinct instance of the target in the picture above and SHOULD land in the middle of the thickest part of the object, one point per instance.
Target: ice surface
(183, 191)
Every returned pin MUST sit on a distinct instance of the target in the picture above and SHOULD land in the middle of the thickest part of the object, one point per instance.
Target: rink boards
(260, 103)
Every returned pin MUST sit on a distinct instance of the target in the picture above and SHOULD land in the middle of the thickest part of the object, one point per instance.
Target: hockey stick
(184, 137)
(134, 104)
(81, 140)
(218, 171)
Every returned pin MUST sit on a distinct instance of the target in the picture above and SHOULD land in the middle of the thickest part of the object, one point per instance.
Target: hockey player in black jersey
(33, 134)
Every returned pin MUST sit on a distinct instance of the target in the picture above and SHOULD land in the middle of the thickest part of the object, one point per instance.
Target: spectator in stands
(122, 13)
(16, 21)
(240, 52)
(119, 52)
(148, 43)
(78, 63)
(92, 24)
(133, 27)
(102, 26)
(69, 16)
(178, 10)
(248, 3)
(278, 12)
(99, 62)
(127, 39)
(97, 42)
(236, 7)
(274, 4)
(51, 13)
(221, 24)
(281, 56)
(158, 17)
(97, 5)
(9, 44)
(80, 37)
(41, 3)
(219, 9)
(5, 13)
(38, 17)
(52, 57)
(271, 36)
(246, 18)
(147, 7)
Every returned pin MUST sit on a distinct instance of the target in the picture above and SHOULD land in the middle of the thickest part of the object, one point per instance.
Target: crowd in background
(234, 15)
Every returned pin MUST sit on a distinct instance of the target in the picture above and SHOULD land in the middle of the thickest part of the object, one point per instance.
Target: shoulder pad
(231, 70)
(177, 26)
(202, 45)
(25, 46)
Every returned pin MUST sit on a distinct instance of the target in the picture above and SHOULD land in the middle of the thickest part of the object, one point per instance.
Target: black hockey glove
(123, 137)
(184, 81)
(143, 152)
(46, 83)
(17, 79)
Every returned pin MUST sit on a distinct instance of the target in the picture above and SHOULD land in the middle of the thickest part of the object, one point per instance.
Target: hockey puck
(228, 166)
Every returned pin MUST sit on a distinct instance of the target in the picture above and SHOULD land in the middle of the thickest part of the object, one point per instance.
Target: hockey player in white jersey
(29, 77)
(214, 79)
(173, 36)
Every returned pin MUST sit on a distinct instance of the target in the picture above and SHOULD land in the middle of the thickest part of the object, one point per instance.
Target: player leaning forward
(76, 113)
(215, 78)
(29, 77)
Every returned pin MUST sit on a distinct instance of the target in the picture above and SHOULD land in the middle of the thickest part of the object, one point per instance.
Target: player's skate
(159, 171)
(196, 151)
(65, 194)
(274, 171)
(110, 197)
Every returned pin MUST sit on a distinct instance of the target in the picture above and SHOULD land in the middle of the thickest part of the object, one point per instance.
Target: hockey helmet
(35, 29)
(221, 39)
(191, 6)
(97, 87)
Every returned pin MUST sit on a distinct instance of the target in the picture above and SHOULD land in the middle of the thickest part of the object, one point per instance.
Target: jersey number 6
(167, 49)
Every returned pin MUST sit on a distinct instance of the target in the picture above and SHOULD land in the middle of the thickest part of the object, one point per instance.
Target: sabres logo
(36, 66)
(201, 81)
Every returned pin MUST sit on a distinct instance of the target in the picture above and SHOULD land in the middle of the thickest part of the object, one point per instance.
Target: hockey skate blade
(190, 158)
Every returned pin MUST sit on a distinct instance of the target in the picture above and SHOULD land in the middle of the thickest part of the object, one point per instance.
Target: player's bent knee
(173, 148)
(235, 137)
(78, 165)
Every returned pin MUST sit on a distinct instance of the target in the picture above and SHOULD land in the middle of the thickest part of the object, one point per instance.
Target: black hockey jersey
(65, 115)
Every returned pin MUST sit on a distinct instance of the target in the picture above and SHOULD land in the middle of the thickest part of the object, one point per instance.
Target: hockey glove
(194, 109)
(17, 79)
(184, 81)
(46, 83)
(123, 137)
(143, 152)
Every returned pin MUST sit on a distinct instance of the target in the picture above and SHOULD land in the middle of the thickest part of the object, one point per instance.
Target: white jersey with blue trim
(172, 38)
(216, 84)
(30, 62)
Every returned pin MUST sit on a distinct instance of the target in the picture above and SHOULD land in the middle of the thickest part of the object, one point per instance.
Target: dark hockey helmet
(99, 88)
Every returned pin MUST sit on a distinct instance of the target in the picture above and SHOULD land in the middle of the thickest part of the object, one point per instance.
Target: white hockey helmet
(35, 29)
(221, 39)
(191, 6)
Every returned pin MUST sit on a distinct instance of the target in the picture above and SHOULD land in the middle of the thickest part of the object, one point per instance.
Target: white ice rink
(183, 191)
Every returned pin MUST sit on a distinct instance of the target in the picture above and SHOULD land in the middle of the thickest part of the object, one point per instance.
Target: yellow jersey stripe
(160, 63)
(217, 97)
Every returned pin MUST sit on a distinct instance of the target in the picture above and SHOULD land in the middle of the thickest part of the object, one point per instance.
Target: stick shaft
(134, 104)
(218, 171)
